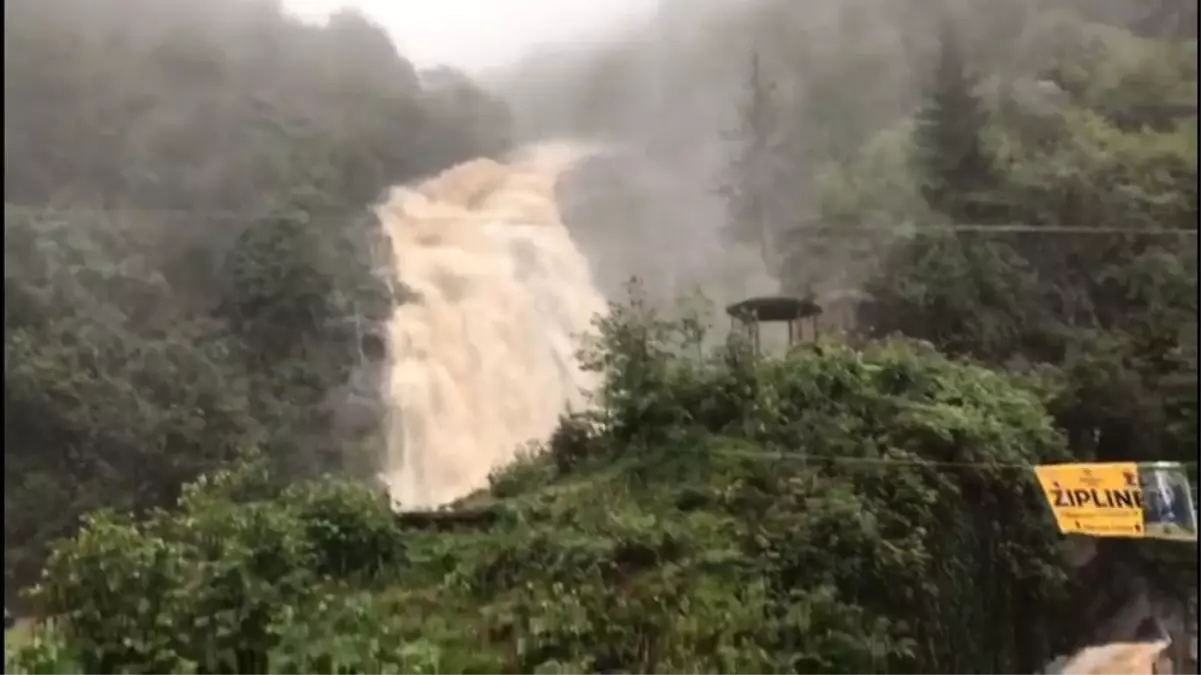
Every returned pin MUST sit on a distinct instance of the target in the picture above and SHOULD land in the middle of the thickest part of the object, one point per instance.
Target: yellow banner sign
(1103, 500)
(1120, 500)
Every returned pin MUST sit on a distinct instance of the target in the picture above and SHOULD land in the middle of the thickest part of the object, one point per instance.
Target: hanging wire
(15, 209)
(888, 461)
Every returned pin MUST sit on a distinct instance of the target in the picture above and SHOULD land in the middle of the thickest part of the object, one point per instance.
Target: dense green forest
(189, 259)
(190, 269)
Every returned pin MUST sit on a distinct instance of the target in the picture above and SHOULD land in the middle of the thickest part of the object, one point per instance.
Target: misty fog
(348, 258)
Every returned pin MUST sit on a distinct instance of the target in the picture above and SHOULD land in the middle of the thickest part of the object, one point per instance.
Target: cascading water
(483, 352)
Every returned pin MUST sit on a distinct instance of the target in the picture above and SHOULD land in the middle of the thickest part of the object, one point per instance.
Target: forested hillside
(1015, 183)
(189, 260)
(840, 140)
(190, 270)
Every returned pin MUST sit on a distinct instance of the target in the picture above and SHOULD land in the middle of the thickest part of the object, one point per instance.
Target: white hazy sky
(479, 34)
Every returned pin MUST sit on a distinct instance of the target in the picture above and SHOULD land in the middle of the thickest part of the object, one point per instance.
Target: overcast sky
(480, 34)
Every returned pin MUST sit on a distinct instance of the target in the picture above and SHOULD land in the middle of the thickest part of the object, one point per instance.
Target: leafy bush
(207, 587)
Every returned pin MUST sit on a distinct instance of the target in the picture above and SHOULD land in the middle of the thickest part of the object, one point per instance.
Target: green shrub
(205, 587)
(352, 530)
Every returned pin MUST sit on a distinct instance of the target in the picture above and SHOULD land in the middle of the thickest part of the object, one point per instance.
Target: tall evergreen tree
(956, 169)
(750, 181)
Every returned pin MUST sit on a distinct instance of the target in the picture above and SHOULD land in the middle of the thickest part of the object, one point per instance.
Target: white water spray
(483, 356)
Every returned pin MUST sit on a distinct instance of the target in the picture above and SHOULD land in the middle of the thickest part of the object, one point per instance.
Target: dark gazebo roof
(773, 308)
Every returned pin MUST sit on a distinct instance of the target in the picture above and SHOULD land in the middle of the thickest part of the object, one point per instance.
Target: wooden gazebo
(748, 314)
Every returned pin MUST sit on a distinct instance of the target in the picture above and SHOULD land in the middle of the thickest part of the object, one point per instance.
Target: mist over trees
(1010, 188)
(189, 260)
(1060, 138)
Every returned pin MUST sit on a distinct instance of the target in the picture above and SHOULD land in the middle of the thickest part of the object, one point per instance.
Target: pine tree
(951, 155)
(749, 179)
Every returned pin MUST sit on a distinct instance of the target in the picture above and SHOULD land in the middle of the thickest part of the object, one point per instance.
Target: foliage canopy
(724, 513)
